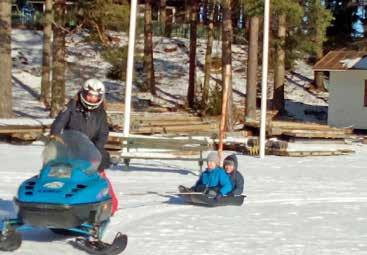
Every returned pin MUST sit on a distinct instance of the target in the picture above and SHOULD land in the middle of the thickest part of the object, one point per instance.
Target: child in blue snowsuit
(213, 180)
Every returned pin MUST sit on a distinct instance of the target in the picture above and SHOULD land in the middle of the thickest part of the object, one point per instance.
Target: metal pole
(264, 81)
(130, 66)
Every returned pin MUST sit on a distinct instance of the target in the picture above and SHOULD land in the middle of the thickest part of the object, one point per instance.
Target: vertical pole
(264, 81)
(130, 66)
(222, 127)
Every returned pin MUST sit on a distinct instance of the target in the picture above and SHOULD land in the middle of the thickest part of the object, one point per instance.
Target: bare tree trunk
(319, 76)
(149, 79)
(279, 69)
(208, 55)
(193, 39)
(163, 16)
(227, 32)
(6, 96)
(252, 64)
(46, 56)
(188, 10)
(58, 77)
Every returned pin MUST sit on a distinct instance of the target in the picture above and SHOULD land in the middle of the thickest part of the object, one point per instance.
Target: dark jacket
(92, 123)
(215, 178)
(236, 177)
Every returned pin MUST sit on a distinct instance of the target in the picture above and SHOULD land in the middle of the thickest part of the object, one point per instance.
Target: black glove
(218, 197)
(183, 189)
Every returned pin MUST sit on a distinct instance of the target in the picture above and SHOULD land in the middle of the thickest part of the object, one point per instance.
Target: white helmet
(92, 94)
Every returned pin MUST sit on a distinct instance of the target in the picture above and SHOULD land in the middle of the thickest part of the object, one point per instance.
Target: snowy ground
(310, 206)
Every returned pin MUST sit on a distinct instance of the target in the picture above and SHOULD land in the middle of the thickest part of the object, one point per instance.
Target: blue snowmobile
(68, 197)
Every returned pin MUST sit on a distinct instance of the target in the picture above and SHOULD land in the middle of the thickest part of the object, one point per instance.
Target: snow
(26, 122)
(350, 62)
(315, 205)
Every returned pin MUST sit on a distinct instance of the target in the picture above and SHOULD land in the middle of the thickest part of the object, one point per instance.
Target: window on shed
(365, 93)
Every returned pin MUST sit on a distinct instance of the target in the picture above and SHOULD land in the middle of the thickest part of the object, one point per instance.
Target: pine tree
(58, 77)
(317, 21)
(163, 16)
(279, 64)
(208, 55)
(46, 56)
(289, 16)
(254, 10)
(193, 41)
(102, 15)
(342, 28)
(149, 80)
(6, 102)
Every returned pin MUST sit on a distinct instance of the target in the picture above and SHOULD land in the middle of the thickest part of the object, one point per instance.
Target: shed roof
(342, 60)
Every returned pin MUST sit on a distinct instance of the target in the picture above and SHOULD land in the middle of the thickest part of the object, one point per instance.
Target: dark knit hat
(228, 162)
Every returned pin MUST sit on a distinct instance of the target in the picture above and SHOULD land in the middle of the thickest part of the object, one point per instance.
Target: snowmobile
(207, 198)
(68, 196)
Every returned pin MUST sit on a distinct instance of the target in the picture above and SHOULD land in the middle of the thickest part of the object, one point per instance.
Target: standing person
(213, 180)
(230, 165)
(86, 113)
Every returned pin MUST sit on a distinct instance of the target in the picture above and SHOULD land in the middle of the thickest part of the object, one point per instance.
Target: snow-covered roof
(342, 60)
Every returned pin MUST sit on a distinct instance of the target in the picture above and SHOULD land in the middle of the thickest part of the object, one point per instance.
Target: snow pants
(115, 202)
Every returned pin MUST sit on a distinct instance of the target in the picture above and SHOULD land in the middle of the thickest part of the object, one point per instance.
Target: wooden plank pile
(301, 129)
(291, 149)
(20, 130)
(166, 123)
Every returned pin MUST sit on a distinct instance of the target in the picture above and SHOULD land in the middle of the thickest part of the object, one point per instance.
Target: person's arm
(238, 185)
(61, 120)
(225, 182)
(102, 136)
(198, 183)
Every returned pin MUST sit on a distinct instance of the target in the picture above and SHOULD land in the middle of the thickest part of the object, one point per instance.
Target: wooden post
(222, 127)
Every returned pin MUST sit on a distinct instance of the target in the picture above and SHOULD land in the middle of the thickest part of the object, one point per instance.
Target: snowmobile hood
(233, 158)
(66, 183)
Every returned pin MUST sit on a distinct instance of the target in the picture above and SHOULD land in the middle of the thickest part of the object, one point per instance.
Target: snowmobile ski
(10, 241)
(97, 247)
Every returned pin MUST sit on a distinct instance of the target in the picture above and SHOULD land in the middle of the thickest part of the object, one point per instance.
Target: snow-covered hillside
(171, 60)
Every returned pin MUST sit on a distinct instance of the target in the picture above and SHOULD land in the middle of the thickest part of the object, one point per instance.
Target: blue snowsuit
(215, 178)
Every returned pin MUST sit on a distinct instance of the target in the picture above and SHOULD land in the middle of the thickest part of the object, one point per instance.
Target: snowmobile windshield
(73, 145)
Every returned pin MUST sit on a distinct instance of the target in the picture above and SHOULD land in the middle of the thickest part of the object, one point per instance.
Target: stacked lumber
(289, 149)
(24, 130)
(166, 123)
(312, 153)
(302, 130)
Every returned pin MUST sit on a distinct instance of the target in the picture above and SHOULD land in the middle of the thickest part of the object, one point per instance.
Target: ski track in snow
(315, 205)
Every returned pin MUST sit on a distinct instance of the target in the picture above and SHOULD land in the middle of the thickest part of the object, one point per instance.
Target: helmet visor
(91, 97)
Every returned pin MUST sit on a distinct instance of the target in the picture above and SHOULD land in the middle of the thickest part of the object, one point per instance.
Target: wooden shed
(347, 87)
